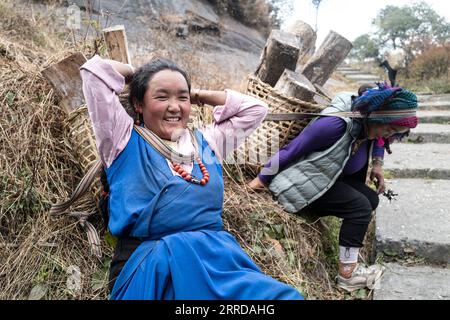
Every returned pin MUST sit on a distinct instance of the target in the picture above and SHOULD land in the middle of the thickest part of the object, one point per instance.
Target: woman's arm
(210, 97)
(320, 135)
(126, 70)
(103, 80)
(236, 116)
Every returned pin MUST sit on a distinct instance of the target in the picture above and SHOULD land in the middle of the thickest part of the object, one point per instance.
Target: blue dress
(185, 253)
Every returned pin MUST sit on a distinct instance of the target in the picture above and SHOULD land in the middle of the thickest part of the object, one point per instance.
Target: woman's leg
(352, 205)
(354, 202)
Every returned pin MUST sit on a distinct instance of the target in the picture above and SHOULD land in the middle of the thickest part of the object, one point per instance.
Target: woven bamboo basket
(270, 136)
(81, 140)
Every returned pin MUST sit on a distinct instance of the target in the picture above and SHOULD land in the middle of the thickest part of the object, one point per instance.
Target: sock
(348, 254)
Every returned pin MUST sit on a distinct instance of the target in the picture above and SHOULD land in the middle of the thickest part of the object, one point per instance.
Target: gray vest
(311, 176)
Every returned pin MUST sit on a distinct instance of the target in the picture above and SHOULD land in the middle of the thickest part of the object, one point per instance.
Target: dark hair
(140, 79)
(363, 88)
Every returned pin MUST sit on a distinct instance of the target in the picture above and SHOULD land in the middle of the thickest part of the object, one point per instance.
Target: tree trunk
(293, 84)
(328, 57)
(116, 42)
(281, 52)
(65, 77)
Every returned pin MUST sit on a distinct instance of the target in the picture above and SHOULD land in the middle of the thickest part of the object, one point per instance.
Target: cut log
(293, 84)
(281, 52)
(328, 57)
(323, 96)
(307, 40)
(65, 78)
(327, 94)
(116, 42)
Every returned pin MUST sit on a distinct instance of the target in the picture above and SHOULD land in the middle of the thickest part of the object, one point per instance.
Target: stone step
(352, 72)
(435, 105)
(413, 283)
(433, 97)
(441, 116)
(413, 160)
(363, 77)
(340, 69)
(417, 221)
(430, 132)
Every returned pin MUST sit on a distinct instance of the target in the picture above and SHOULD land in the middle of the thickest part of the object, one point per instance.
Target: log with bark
(328, 57)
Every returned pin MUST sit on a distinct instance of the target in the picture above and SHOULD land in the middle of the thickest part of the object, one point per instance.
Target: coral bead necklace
(170, 154)
(189, 177)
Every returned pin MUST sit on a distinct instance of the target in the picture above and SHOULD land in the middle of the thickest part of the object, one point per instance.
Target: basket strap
(80, 190)
(166, 151)
(304, 115)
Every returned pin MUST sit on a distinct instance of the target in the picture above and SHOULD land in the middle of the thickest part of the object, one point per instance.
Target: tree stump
(281, 52)
(293, 84)
(116, 42)
(65, 77)
(328, 57)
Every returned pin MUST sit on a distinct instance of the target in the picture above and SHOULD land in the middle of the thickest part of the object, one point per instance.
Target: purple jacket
(319, 136)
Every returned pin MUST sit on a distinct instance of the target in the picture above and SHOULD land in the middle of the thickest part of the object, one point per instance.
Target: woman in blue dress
(166, 211)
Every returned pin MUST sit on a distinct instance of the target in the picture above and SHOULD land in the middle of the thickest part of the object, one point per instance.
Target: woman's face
(377, 130)
(167, 105)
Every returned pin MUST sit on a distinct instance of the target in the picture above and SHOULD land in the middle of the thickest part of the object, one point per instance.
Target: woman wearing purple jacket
(324, 168)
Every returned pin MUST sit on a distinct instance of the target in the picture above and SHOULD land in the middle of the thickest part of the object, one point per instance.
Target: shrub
(433, 63)
(254, 13)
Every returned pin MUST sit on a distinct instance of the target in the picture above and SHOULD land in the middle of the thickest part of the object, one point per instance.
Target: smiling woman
(171, 239)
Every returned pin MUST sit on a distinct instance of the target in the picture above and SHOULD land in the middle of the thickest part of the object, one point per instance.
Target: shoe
(362, 277)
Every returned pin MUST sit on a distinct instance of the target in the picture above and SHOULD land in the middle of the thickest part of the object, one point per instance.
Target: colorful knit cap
(394, 105)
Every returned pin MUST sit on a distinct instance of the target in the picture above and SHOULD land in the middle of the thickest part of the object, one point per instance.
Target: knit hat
(387, 104)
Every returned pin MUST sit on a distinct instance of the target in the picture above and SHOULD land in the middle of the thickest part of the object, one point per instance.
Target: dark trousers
(353, 201)
(124, 249)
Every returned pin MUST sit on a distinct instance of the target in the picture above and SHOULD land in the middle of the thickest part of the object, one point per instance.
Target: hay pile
(49, 258)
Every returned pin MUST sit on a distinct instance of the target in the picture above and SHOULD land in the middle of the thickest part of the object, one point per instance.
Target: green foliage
(439, 86)
(364, 47)
(395, 24)
(415, 25)
(331, 240)
(411, 28)
(10, 96)
(423, 37)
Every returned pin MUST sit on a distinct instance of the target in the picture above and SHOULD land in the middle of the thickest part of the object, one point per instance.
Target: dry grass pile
(49, 258)
(37, 167)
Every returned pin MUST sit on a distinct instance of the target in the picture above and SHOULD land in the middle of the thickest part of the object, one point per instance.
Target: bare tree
(316, 4)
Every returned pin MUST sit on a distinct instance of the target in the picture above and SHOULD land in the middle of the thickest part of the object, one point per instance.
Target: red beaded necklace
(190, 178)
